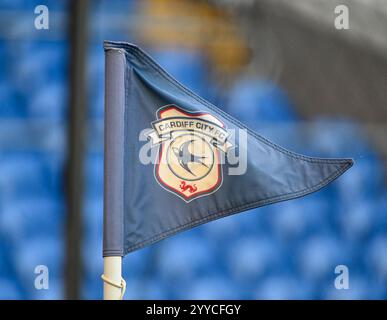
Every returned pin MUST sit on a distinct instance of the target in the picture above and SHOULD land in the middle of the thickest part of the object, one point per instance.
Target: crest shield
(189, 161)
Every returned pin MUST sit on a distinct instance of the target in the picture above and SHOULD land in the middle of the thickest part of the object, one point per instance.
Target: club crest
(189, 160)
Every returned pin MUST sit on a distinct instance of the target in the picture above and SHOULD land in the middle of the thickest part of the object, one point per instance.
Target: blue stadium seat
(5, 264)
(92, 256)
(362, 182)
(94, 175)
(139, 263)
(3, 58)
(12, 104)
(53, 5)
(93, 214)
(26, 218)
(38, 64)
(93, 228)
(209, 287)
(96, 100)
(289, 220)
(50, 101)
(283, 287)
(150, 288)
(147, 288)
(39, 250)
(330, 136)
(251, 257)
(21, 174)
(55, 291)
(296, 219)
(54, 165)
(381, 208)
(92, 239)
(255, 101)
(117, 6)
(95, 75)
(92, 288)
(357, 220)
(319, 255)
(183, 257)
(254, 221)
(9, 290)
(376, 257)
(10, 4)
(224, 229)
(186, 66)
(361, 287)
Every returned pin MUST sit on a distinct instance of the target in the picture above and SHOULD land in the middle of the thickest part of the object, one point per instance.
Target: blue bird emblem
(184, 156)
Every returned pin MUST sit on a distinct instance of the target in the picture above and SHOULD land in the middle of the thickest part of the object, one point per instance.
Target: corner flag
(174, 161)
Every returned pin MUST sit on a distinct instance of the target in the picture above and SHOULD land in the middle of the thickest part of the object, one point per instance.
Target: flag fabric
(174, 161)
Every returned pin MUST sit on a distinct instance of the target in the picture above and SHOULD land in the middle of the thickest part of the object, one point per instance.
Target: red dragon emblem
(187, 187)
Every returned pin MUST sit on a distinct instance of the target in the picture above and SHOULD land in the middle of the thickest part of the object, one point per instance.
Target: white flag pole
(114, 285)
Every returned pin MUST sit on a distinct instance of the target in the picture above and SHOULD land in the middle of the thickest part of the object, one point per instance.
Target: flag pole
(114, 285)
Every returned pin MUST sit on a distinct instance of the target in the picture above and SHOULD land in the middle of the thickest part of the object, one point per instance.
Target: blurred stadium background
(279, 66)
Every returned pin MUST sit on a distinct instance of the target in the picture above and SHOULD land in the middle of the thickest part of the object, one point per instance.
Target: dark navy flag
(174, 161)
